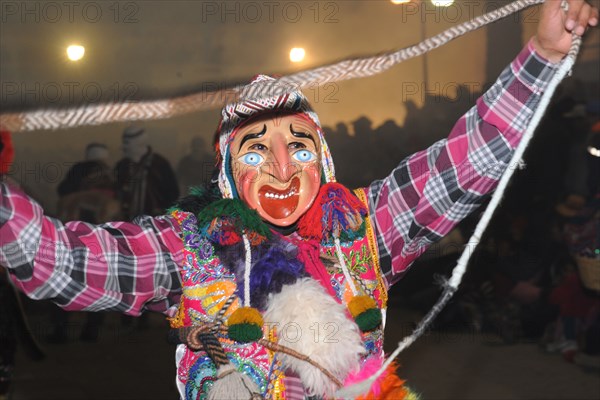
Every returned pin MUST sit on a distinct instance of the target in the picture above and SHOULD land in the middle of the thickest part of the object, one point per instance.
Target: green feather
(243, 218)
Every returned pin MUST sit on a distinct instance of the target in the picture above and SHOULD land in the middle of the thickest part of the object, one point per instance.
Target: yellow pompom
(360, 304)
(246, 315)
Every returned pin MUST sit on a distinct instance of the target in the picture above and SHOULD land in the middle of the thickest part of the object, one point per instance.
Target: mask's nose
(282, 166)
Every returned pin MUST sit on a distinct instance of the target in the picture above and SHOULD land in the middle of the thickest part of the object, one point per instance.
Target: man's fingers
(575, 7)
(584, 17)
(594, 17)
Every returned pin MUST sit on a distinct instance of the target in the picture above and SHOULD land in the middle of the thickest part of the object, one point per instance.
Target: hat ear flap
(226, 181)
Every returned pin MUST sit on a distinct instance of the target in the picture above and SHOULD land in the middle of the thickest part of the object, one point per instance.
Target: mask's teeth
(280, 196)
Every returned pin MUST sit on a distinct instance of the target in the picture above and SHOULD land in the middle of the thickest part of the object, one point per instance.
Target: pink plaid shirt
(134, 266)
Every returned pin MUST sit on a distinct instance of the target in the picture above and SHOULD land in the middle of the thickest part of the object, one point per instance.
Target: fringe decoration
(311, 322)
(336, 212)
(225, 221)
(270, 273)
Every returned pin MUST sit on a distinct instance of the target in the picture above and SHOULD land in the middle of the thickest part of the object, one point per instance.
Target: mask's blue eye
(304, 156)
(252, 159)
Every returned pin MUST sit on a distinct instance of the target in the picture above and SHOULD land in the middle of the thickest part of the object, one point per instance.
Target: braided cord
(213, 348)
(248, 268)
(220, 317)
(98, 114)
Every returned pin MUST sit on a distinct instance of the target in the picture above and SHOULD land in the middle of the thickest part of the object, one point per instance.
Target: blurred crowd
(142, 183)
(536, 275)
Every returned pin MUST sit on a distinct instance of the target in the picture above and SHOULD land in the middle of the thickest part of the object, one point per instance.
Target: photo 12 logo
(24, 12)
(270, 11)
(455, 11)
(67, 92)
(438, 92)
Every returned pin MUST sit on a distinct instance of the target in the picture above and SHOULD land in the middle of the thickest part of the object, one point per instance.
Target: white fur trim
(311, 322)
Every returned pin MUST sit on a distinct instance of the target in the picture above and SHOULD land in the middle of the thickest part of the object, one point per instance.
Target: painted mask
(276, 166)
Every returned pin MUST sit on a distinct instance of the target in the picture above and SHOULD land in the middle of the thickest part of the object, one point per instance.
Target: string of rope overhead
(105, 113)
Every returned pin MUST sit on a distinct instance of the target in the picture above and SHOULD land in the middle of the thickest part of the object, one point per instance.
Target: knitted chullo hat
(235, 115)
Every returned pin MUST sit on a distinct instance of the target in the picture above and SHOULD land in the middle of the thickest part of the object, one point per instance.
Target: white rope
(247, 269)
(340, 256)
(97, 114)
(565, 67)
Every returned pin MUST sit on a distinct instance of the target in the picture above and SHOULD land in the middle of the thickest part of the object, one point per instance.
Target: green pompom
(369, 319)
(245, 333)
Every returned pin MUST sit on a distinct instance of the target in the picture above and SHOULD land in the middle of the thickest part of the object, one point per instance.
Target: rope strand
(248, 268)
(98, 114)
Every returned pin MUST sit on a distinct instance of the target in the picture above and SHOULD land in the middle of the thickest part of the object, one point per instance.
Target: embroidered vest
(210, 276)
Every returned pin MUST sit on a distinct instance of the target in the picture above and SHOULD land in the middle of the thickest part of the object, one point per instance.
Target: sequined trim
(370, 233)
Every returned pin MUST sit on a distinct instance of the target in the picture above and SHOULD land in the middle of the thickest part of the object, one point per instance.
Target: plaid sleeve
(431, 191)
(120, 266)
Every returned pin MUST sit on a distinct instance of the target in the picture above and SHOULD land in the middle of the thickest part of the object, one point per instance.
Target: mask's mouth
(280, 203)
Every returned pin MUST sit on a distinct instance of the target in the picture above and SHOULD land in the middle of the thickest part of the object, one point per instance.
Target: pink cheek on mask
(244, 179)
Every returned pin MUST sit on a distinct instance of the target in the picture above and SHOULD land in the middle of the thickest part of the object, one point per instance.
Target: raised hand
(554, 33)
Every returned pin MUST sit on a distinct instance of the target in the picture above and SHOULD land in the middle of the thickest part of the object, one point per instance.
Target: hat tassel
(232, 384)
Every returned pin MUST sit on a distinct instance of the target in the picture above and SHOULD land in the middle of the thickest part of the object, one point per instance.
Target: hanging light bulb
(75, 52)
